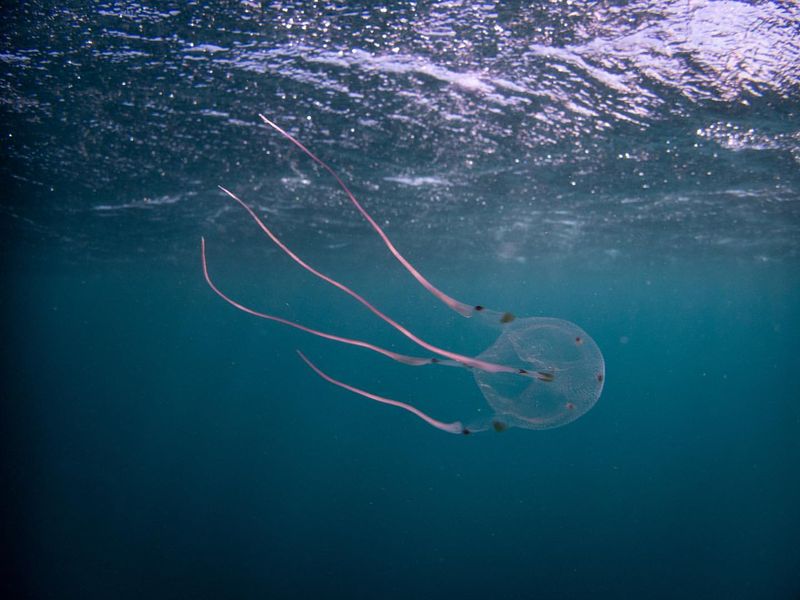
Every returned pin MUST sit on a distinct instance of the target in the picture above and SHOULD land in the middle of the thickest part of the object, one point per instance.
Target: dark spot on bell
(578, 340)
(499, 426)
(507, 317)
(600, 377)
(570, 406)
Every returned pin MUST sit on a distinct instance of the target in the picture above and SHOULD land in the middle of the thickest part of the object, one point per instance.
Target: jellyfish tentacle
(413, 361)
(462, 308)
(465, 360)
(454, 427)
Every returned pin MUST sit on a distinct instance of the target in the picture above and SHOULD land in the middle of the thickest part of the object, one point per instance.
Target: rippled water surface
(508, 129)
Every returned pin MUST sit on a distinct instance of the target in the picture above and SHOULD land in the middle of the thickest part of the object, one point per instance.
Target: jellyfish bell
(564, 352)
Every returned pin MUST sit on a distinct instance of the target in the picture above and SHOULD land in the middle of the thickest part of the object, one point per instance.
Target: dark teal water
(614, 168)
(160, 443)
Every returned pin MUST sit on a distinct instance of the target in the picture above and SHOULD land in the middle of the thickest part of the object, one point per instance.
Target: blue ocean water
(629, 167)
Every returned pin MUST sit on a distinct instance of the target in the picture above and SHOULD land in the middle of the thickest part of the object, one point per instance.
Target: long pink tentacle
(465, 360)
(402, 358)
(455, 427)
(463, 309)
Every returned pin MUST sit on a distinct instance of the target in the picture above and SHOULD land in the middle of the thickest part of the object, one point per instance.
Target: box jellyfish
(539, 374)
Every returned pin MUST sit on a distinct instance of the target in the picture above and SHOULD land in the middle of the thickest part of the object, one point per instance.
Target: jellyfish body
(571, 360)
(540, 373)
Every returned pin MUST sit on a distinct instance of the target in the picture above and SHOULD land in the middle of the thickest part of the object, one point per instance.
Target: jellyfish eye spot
(569, 406)
(479, 308)
(600, 377)
(507, 317)
(499, 426)
(579, 340)
(465, 431)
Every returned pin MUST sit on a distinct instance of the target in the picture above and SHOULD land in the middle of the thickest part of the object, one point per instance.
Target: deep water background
(630, 167)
